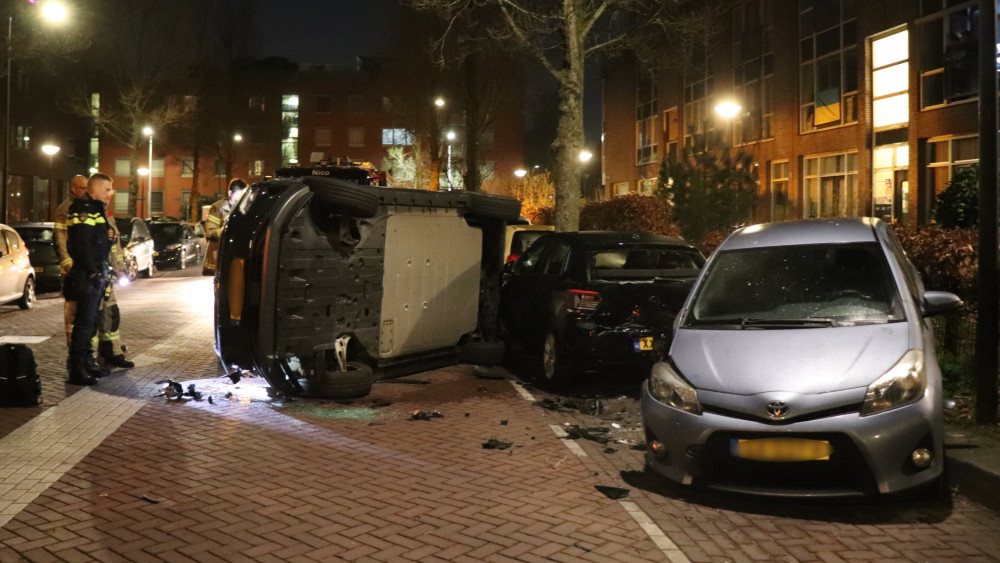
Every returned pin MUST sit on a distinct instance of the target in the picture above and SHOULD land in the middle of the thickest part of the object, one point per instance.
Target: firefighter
(77, 187)
(217, 215)
(108, 340)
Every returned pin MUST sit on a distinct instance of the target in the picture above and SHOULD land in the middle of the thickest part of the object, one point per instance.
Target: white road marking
(23, 339)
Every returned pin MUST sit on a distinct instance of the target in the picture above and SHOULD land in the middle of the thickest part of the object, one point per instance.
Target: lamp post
(728, 109)
(451, 137)
(52, 11)
(148, 131)
(145, 172)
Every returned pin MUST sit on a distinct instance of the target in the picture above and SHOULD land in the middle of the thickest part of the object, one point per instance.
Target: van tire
(489, 206)
(354, 199)
(351, 384)
(483, 353)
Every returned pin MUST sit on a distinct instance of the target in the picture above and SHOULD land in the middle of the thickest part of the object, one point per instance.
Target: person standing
(77, 187)
(109, 348)
(88, 240)
(217, 215)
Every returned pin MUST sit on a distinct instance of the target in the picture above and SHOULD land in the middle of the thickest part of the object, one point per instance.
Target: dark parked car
(137, 244)
(40, 240)
(175, 244)
(597, 300)
(324, 285)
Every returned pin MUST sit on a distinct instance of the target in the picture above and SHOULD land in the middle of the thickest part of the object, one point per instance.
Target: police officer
(217, 215)
(88, 241)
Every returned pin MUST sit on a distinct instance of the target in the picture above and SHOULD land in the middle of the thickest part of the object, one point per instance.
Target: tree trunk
(195, 209)
(473, 177)
(133, 184)
(569, 134)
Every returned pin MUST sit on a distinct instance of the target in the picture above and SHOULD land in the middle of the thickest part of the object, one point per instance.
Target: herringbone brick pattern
(244, 479)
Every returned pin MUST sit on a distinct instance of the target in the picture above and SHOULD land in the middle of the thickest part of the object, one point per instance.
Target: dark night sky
(323, 31)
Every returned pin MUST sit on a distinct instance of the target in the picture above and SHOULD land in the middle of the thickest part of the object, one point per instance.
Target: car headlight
(668, 387)
(903, 384)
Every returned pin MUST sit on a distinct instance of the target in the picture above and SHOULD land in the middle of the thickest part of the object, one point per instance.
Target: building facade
(849, 108)
(290, 118)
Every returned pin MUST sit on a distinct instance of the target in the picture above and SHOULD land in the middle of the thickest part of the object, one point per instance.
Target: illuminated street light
(50, 150)
(585, 156)
(439, 102)
(51, 11)
(237, 137)
(520, 172)
(728, 109)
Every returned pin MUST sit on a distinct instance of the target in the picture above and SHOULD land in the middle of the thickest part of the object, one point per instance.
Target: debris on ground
(210, 401)
(488, 372)
(609, 450)
(503, 423)
(405, 381)
(613, 493)
(151, 500)
(171, 389)
(592, 406)
(494, 444)
(597, 434)
(379, 402)
(423, 415)
(557, 405)
(193, 393)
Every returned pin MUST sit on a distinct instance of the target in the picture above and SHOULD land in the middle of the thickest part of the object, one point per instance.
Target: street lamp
(585, 156)
(52, 11)
(520, 173)
(148, 131)
(145, 172)
(728, 109)
(450, 135)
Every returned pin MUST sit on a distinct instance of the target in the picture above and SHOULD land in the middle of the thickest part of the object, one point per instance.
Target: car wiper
(751, 322)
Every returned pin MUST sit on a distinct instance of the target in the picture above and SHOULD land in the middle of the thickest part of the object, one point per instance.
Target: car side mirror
(940, 302)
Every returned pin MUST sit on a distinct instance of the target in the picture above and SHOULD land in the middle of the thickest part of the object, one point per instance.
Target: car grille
(844, 472)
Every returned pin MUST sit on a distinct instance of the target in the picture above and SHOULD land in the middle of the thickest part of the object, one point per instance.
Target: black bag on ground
(19, 382)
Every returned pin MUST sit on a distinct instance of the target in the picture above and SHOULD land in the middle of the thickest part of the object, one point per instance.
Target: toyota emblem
(777, 409)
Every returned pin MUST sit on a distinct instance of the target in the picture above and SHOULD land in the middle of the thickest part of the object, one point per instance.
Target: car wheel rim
(549, 356)
(29, 293)
(184, 259)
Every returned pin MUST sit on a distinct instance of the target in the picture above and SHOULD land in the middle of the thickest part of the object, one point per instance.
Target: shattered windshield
(798, 286)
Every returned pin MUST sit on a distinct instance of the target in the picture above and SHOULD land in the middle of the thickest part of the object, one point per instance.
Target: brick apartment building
(850, 108)
(293, 118)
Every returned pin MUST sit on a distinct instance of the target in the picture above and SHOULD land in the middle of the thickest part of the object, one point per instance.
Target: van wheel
(182, 262)
(331, 384)
(148, 272)
(483, 353)
(353, 199)
(489, 206)
(27, 299)
(132, 270)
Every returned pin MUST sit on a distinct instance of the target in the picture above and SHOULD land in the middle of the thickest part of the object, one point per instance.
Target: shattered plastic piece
(210, 401)
(597, 434)
(615, 425)
(494, 444)
(274, 393)
(421, 415)
(379, 402)
(151, 500)
(503, 423)
(172, 390)
(229, 394)
(234, 376)
(592, 406)
(610, 450)
(613, 493)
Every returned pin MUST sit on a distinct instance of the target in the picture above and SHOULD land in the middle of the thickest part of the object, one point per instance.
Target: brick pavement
(245, 479)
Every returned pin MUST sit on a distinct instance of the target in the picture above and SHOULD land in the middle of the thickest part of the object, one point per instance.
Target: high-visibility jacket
(65, 262)
(217, 215)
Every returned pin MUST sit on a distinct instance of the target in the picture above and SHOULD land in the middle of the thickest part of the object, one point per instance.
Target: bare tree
(561, 35)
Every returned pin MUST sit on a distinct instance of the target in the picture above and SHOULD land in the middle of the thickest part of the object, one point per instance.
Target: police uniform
(88, 245)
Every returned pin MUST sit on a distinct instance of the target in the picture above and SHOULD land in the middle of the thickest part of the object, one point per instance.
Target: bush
(958, 205)
(631, 213)
(945, 258)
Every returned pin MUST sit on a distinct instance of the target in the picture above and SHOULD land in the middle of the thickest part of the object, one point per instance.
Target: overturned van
(325, 285)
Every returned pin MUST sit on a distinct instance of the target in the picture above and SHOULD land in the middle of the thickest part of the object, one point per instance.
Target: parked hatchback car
(597, 300)
(17, 277)
(175, 244)
(40, 240)
(802, 365)
(138, 246)
(324, 285)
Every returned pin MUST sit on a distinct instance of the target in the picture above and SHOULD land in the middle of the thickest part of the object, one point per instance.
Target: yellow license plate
(643, 343)
(156, 254)
(39, 269)
(782, 449)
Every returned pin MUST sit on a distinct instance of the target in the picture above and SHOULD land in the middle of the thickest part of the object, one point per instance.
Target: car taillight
(584, 301)
(511, 258)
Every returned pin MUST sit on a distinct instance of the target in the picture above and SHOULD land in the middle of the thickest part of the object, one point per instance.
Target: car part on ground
(802, 365)
(596, 301)
(410, 276)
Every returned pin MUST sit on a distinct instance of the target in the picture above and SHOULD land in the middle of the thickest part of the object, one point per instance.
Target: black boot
(95, 370)
(119, 361)
(78, 375)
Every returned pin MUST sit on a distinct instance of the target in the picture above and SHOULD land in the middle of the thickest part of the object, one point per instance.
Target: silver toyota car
(802, 364)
